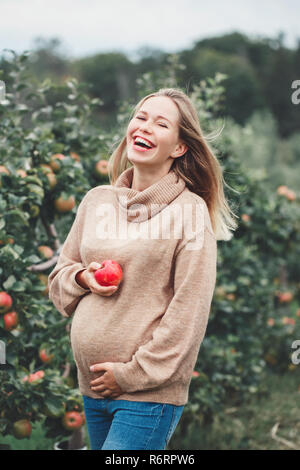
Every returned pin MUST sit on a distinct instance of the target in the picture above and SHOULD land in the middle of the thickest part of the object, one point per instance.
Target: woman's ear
(180, 150)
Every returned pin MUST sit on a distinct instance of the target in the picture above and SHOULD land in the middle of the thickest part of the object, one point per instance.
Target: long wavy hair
(198, 167)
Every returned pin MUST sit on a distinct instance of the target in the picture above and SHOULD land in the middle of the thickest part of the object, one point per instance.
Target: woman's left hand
(106, 384)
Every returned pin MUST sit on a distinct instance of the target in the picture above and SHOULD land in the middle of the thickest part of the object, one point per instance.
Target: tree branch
(45, 264)
(52, 233)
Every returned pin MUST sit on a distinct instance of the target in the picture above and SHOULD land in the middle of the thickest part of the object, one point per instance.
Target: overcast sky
(86, 27)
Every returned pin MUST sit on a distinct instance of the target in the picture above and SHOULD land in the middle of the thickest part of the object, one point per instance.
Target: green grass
(246, 427)
(249, 427)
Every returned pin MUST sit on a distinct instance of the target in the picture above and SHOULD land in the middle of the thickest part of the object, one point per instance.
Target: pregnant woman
(136, 345)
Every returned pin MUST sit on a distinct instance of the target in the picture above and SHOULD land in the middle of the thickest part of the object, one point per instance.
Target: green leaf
(19, 287)
(16, 214)
(19, 249)
(10, 281)
(3, 425)
(54, 407)
(9, 252)
(33, 259)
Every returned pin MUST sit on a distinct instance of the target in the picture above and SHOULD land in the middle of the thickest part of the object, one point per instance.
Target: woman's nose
(146, 125)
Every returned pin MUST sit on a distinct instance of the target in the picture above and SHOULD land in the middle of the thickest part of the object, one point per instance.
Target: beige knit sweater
(153, 326)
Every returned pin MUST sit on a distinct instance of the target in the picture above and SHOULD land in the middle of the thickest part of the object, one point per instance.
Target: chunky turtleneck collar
(142, 205)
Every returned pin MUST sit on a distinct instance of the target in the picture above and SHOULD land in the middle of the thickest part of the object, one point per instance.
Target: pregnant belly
(105, 334)
(92, 340)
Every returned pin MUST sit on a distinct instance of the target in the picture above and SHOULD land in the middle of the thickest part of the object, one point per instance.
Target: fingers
(105, 393)
(96, 381)
(99, 388)
(93, 266)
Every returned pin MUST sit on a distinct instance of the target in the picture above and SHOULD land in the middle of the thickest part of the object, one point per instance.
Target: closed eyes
(161, 125)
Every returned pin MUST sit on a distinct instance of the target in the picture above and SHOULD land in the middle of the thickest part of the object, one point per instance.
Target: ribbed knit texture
(161, 194)
(152, 327)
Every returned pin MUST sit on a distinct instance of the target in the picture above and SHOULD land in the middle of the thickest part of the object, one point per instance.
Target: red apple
(285, 296)
(46, 169)
(64, 205)
(52, 180)
(109, 274)
(5, 302)
(21, 173)
(39, 374)
(72, 420)
(44, 357)
(3, 169)
(10, 320)
(22, 428)
(8, 240)
(101, 169)
(54, 161)
(75, 156)
(34, 377)
(45, 251)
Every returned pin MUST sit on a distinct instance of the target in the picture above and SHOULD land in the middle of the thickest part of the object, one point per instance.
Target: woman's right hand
(88, 277)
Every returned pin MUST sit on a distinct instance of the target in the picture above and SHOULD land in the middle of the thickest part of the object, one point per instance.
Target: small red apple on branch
(5, 302)
(72, 420)
(44, 356)
(22, 428)
(34, 377)
(101, 169)
(45, 251)
(109, 274)
(11, 320)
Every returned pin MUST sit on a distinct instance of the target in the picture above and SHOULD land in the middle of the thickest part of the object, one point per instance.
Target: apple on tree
(45, 251)
(52, 180)
(101, 169)
(64, 205)
(11, 320)
(54, 161)
(3, 169)
(22, 428)
(22, 173)
(109, 274)
(5, 302)
(75, 156)
(44, 356)
(34, 377)
(72, 420)
(9, 240)
(46, 169)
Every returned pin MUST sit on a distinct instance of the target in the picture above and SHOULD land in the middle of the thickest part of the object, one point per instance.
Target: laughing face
(152, 134)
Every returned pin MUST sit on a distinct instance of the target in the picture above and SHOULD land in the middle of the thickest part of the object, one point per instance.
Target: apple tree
(51, 154)
(255, 315)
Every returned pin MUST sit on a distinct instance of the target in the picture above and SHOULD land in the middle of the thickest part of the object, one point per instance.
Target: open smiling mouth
(141, 146)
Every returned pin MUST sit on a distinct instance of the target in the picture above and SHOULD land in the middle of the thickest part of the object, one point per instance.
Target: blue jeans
(129, 425)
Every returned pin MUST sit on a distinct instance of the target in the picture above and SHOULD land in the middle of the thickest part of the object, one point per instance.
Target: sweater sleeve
(64, 291)
(178, 337)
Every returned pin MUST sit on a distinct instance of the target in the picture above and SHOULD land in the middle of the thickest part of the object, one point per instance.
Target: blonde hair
(198, 167)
